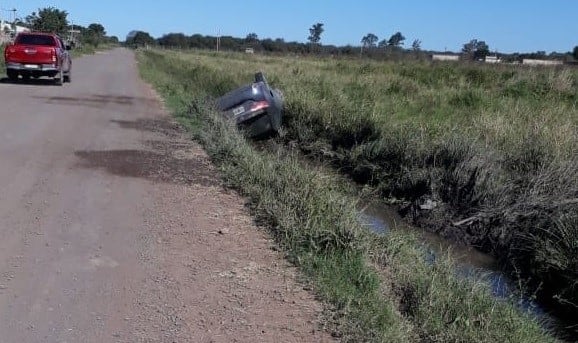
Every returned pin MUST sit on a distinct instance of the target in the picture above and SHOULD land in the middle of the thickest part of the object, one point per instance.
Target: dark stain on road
(171, 159)
(95, 101)
(175, 167)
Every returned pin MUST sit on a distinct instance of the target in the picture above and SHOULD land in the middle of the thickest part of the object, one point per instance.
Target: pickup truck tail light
(53, 52)
(9, 50)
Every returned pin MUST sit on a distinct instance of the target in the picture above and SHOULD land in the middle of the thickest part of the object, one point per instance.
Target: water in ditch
(469, 261)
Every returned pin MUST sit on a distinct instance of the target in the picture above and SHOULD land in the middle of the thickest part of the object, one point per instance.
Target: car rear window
(35, 40)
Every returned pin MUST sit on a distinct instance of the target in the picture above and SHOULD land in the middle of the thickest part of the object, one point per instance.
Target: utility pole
(218, 39)
(73, 35)
(13, 10)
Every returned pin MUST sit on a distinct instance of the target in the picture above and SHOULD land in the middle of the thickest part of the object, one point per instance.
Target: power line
(13, 10)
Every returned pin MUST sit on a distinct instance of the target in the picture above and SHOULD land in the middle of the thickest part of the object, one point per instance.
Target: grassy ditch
(380, 287)
(495, 147)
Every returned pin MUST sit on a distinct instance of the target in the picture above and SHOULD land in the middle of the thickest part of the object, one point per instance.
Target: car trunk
(254, 107)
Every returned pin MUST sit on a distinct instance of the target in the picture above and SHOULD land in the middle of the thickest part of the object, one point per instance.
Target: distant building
(441, 57)
(532, 62)
(8, 31)
(492, 59)
(249, 50)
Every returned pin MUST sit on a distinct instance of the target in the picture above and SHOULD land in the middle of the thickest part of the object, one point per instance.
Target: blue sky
(507, 26)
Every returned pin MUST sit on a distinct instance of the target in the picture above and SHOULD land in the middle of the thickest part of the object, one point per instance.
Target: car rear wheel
(12, 75)
(59, 79)
(67, 78)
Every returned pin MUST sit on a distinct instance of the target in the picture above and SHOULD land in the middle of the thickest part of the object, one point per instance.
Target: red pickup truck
(38, 54)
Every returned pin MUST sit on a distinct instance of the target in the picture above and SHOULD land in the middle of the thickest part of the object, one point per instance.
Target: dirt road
(115, 228)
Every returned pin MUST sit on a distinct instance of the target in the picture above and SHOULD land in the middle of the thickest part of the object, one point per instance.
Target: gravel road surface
(115, 228)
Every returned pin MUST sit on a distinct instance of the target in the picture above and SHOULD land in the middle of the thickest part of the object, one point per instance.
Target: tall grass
(498, 145)
(495, 146)
(382, 288)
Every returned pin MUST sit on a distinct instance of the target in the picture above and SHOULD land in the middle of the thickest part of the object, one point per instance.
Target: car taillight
(53, 56)
(259, 105)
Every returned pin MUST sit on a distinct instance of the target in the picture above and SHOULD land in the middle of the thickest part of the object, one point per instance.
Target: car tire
(260, 77)
(12, 75)
(59, 79)
(67, 78)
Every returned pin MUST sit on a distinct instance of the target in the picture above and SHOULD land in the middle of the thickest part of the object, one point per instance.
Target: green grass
(2, 62)
(497, 144)
(88, 49)
(380, 287)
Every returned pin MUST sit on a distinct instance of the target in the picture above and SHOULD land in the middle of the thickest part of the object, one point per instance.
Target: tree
(315, 33)
(174, 40)
(131, 35)
(575, 52)
(95, 34)
(48, 19)
(113, 40)
(396, 39)
(416, 45)
(476, 49)
(21, 22)
(369, 40)
(251, 38)
(139, 39)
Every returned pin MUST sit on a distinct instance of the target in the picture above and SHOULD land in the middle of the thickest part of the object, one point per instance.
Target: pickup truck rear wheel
(12, 75)
(59, 79)
(67, 78)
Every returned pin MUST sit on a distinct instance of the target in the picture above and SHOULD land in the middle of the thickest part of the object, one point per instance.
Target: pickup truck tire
(59, 79)
(67, 78)
(12, 75)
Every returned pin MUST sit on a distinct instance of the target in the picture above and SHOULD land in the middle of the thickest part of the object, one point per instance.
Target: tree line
(252, 41)
(54, 20)
(370, 45)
